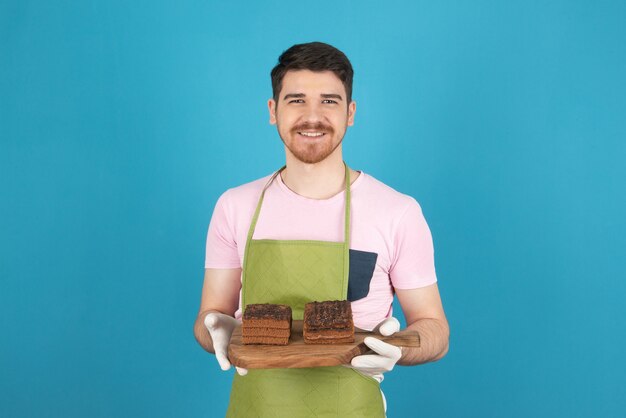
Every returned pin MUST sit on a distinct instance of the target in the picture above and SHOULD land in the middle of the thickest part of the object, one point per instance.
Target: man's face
(311, 114)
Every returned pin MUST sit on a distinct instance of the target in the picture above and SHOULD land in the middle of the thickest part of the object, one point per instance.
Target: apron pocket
(362, 264)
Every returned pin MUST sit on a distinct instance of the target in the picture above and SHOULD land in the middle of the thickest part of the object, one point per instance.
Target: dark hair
(313, 56)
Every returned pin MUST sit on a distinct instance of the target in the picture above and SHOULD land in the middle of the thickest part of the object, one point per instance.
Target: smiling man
(311, 116)
(318, 230)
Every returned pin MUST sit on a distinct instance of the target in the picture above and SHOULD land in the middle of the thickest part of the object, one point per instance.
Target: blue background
(122, 122)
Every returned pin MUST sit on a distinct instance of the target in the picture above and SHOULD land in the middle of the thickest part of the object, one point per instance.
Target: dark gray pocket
(362, 264)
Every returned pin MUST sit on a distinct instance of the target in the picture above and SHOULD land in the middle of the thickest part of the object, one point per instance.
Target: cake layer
(348, 328)
(329, 334)
(332, 341)
(328, 322)
(265, 340)
(269, 311)
(267, 323)
(265, 332)
(328, 315)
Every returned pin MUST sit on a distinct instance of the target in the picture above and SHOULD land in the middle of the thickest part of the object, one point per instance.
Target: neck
(316, 181)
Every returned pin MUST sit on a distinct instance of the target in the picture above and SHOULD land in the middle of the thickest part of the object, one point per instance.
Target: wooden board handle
(404, 338)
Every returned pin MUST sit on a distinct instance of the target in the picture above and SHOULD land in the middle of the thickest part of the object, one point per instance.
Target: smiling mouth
(311, 134)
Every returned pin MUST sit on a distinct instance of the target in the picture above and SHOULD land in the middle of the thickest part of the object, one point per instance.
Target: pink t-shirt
(387, 229)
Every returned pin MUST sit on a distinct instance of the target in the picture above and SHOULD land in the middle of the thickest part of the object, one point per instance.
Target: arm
(424, 313)
(220, 293)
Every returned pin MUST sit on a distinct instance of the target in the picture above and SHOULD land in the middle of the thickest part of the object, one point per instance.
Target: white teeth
(311, 133)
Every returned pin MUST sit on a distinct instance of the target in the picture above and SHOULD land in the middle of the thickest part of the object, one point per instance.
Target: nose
(312, 113)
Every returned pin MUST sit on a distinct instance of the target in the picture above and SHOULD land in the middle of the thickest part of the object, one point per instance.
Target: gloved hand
(386, 356)
(221, 328)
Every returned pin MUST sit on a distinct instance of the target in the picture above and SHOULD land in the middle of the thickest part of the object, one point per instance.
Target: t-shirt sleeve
(413, 264)
(221, 243)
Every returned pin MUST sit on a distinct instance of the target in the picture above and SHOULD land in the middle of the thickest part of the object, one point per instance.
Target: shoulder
(244, 193)
(385, 197)
(236, 205)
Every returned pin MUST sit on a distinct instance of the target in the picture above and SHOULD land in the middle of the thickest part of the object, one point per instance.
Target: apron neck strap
(347, 204)
(255, 217)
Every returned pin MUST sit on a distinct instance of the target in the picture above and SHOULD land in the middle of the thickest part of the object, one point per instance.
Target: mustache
(318, 126)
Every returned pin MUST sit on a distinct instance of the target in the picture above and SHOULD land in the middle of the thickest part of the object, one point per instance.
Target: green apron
(294, 272)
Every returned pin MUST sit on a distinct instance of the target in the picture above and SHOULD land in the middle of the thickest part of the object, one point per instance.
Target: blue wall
(122, 122)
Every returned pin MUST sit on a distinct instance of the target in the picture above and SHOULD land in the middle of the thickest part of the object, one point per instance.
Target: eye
(296, 101)
(329, 101)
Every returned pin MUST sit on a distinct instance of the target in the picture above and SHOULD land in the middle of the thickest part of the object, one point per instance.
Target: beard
(315, 151)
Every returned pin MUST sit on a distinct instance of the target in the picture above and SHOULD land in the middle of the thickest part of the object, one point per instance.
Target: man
(317, 230)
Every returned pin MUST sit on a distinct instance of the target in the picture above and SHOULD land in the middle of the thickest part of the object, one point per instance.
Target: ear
(351, 112)
(271, 105)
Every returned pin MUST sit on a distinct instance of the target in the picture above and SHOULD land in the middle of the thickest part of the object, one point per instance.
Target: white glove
(221, 328)
(387, 355)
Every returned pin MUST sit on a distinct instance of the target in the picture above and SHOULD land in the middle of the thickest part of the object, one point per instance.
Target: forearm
(201, 333)
(434, 336)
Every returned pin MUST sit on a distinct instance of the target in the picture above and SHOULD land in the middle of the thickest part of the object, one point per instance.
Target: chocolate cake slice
(328, 322)
(266, 323)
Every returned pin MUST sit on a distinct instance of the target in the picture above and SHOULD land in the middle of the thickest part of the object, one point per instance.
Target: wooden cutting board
(297, 354)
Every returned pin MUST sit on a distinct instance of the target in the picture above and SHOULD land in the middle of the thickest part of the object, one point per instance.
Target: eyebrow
(332, 96)
(323, 95)
(293, 96)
